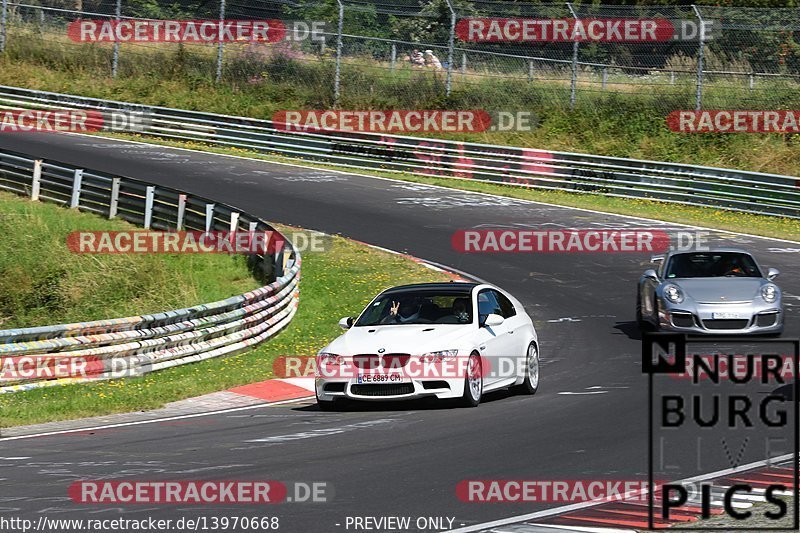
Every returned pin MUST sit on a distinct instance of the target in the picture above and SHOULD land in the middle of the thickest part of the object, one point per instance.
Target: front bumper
(721, 319)
(408, 389)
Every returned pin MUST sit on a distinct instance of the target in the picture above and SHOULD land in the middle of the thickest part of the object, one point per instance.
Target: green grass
(628, 121)
(42, 282)
(335, 283)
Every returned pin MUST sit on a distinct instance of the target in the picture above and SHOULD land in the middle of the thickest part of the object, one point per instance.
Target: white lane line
(568, 393)
(154, 420)
(399, 181)
(585, 505)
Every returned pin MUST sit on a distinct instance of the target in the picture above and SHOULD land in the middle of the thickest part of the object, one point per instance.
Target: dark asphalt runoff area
(588, 420)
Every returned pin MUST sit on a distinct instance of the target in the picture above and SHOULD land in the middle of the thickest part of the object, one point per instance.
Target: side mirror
(346, 322)
(493, 320)
(651, 274)
(772, 273)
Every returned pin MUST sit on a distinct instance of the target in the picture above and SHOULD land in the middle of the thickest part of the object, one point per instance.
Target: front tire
(473, 382)
(530, 384)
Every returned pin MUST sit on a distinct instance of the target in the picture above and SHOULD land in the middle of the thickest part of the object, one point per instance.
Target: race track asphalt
(390, 460)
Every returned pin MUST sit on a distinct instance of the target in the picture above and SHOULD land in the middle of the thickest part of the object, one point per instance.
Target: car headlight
(673, 293)
(769, 293)
(441, 355)
(326, 358)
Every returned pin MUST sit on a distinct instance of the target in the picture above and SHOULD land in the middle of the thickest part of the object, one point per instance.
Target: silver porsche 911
(721, 291)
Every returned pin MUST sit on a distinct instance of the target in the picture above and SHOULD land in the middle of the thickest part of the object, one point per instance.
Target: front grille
(766, 320)
(682, 320)
(382, 390)
(725, 324)
(374, 361)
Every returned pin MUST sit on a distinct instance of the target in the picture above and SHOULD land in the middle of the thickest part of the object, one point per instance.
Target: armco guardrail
(751, 192)
(140, 344)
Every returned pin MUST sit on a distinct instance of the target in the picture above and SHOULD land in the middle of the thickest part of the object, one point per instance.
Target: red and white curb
(632, 516)
(276, 390)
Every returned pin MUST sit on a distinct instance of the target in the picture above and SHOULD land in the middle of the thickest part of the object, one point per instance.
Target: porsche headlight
(442, 355)
(769, 293)
(673, 293)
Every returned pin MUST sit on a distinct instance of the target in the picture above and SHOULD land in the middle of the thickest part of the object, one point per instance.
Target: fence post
(36, 183)
(450, 47)
(77, 181)
(574, 83)
(181, 211)
(115, 59)
(220, 45)
(394, 55)
(113, 203)
(672, 77)
(149, 198)
(698, 104)
(530, 70)
(463, 64)
(41, 20)
(605, 78)
(338, 73)
(3, 24)
(209, 217)
(752, 81)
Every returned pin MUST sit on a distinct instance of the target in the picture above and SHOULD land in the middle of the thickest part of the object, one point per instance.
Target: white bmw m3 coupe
(445, 340)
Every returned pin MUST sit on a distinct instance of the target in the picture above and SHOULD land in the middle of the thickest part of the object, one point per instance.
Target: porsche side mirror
(772, 273)
(493, 320)
(346, 322)
(651, 274)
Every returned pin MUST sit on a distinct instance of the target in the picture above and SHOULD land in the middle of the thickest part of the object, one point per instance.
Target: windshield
(419, 306)
(712, 265)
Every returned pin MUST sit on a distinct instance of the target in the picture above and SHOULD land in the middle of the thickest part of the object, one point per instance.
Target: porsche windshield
(712, 265)
(419, 307)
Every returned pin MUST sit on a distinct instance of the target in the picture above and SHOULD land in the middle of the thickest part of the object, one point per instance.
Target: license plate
(724, 316)
(379, 378)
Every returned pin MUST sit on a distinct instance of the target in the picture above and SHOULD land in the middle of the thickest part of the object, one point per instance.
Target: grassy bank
(334, 283)
(628, 121)
(42, 282)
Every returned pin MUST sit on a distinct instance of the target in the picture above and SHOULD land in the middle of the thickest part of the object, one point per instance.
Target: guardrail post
(115, 58)
(574, 82)
(209, 217)
(234, 221)
(394, 55)
(450, 48)
(3, 24)
(36, 184)
(113, 203)
(149, 197)
(181, 211)
(700, 51)
(221, 45)
(338, 73)
(77, 181)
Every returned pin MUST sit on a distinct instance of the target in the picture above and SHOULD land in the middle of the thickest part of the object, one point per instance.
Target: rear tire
(530, 384)
(473, 382)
